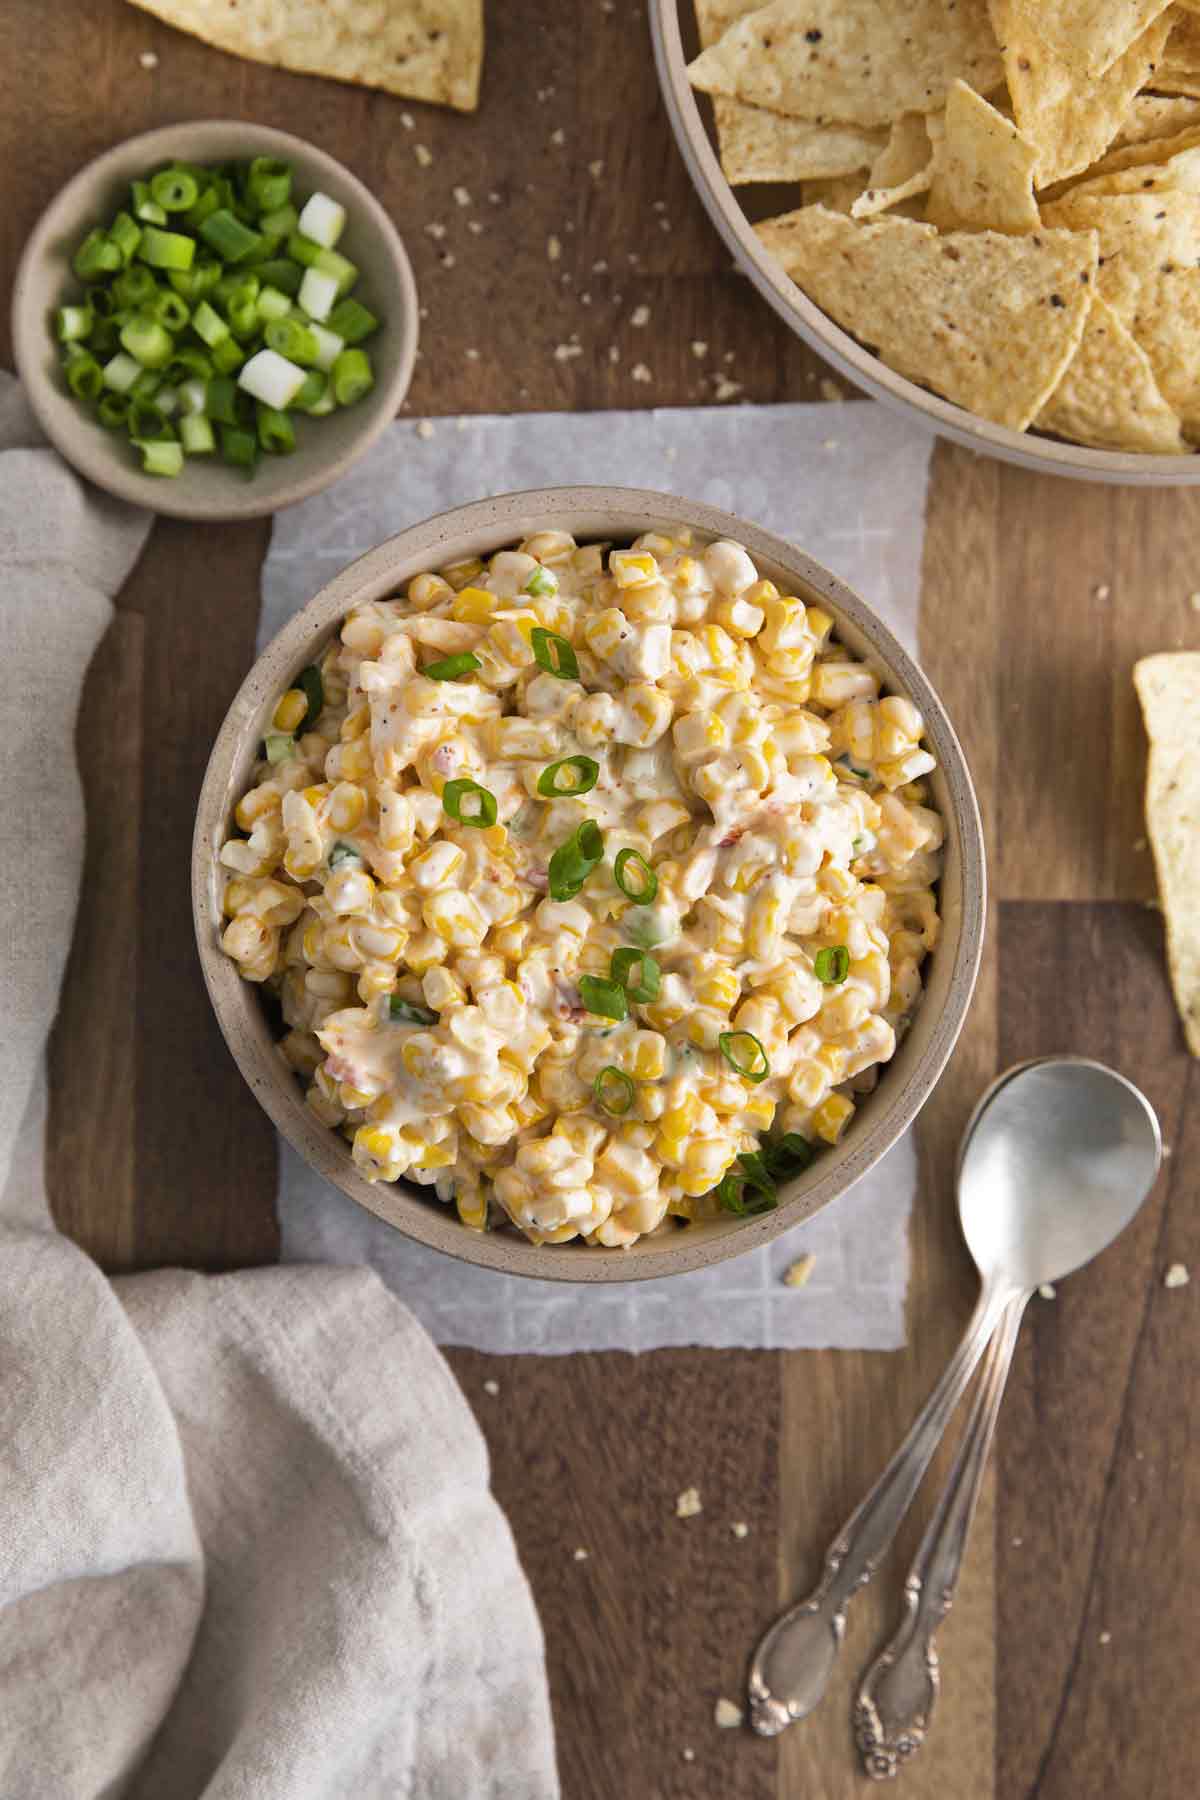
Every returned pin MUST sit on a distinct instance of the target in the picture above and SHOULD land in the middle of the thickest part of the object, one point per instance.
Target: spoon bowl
(1056, 1161)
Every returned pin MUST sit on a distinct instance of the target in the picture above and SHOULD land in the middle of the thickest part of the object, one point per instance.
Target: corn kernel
(832, 1116)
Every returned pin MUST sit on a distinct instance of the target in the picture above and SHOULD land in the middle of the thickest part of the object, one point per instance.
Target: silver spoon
(1056, 1160)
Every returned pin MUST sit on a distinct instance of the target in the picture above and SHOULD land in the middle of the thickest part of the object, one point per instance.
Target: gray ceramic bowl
(617, 514)
(672, 25)
(208, 488)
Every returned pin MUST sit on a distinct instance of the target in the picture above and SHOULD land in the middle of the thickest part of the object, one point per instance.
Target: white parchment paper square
(848, 484)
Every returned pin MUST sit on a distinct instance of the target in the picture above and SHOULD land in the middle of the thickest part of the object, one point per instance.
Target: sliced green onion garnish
(637, 972)
(166, 249)
(744, 1054)
(787, 1156)
(342, 853)
(541, 583)
(293, 339)
(112, 410)
(451, 667)
(553, 653)
(239, 447)
(85, 378)
(74, 323)
(313, 688)
(747, 1177)
(135, 286)
(613, 1091)
(280, 745)
(159, 458)
(196, 435)
(232, 240)
(403, 1012)
(483, 807)
(574, 860)
(174, 190)
(151, 343)
(832, 964)
(268, 184)
(96, 257)
(276, 433)
(351, 376)
(644, 885)
(607, 998)
(582, 779)
(126, 234)
(352, 321)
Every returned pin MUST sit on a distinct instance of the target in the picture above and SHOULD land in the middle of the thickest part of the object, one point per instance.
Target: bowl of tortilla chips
(985, 212)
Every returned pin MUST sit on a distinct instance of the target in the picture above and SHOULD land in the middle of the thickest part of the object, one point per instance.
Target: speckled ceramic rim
(616, 514)
(208, 488)
(836, 346)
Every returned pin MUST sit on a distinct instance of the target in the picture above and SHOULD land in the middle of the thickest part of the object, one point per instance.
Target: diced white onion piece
(193, 395)
(329, 345)
(322, 219)
(271, 378)
(121, 373)
(318, 291)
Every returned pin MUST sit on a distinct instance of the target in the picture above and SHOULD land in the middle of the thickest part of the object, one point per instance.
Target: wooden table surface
(1070, 1662)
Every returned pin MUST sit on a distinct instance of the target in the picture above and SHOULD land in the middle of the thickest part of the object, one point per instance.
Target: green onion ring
(403, 1012)
(730, 1044)
(455, 792)
(574, 860)
(604, 997)
(643, 895)
(649, 975)
(553, 653)
(451, 667)
(584, 769)
(832, 965)
(622, 1091)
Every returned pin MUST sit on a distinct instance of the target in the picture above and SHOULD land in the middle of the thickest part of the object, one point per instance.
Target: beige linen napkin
(247, 1548)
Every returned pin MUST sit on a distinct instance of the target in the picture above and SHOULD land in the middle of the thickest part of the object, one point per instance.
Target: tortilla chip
(989, 321)
(1149, 248)
(982, 170)
(1168, 687)
(866, 61)
(1108, 396)
(1072, 121)
(423, 49)
(755, 144)
(1179, 173)
(1087, 35)
(902, 169)
(1167, 81)
(1151, 117)
(1183, 45)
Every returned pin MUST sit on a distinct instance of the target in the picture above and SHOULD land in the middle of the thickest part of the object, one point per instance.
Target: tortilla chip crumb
(641, 373)
(1047, 1290)
(1176, 1276)
(425, 428)
(1194, 602)
(796, 1274)
(489, 1387)
(740, 1529)
(699, 348)
(148, 59)
(688, 1504)
(423, 155)
(579, 1554)
(687, 1753)
(726, 1715)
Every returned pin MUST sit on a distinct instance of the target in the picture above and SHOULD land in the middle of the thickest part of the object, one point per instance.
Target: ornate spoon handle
(793, 1662)
(897, 1694)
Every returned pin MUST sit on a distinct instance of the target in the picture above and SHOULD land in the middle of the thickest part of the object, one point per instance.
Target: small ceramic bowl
(614, 515)
(209, 488)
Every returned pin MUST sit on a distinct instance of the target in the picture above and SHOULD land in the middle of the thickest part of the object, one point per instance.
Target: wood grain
(578, 214)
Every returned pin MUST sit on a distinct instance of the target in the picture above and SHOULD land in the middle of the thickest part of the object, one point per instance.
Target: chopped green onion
(268, 184)
(134, 286)
(228, 356)
(126, 234)
(241, 309)
(322, 220)
(607, 998)
(193, 395)
(85, 378)
(747, 1174)
(271, 378)
(352, 321)
(281, 273)
(74, 323)
(787, 1156)
(279, 745)
(239, 447)
(96, 257)
(343, 853)
(145, 207)
(166, 249)
(574, 860)
(226, 234)
(642, 987)
(174, 190)
(455, 792)
(167, 308)
(646, 880)
(148, 341)
(208, 324)
(832, 965)
(279, 223)
(318, 291)
(121, 372)
(276, 433)
(147, 422)
(293, 339)
(196, 435)
(302, 250)
(451, 667)
(613, 1091)
(745, 1055)
(222, 400)
(312, 686)
(331, 262)
(584, 774)
(541, 583)
(553, 653)
(311, 395)
(352, 376)
(201, 279)
(159, 458)
(273, 303)
(146, 387)
(205, 207)
(112, 410)
(403, 1012)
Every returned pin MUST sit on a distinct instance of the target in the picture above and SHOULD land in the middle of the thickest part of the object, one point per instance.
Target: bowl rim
(198, 139)
(1050, 456)
(500, 520)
